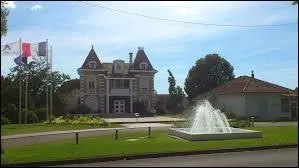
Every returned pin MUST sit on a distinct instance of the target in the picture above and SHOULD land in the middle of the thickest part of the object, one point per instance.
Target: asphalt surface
(262, 158)
(20, 140)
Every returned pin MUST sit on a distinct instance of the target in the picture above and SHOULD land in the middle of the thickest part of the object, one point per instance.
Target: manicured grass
(157, 143)
(13, 129)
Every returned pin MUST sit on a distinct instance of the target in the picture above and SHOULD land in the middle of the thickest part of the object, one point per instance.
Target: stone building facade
(108, 88)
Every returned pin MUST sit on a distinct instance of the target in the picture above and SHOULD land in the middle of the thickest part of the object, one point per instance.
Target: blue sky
(72, 27)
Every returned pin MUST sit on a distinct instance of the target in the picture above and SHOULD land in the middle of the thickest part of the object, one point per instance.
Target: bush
(230, 115)
(11, 112)
(240, 123)
(79, 109)
(41, 113)
(5, 121)
(83, 119)
(31, 116)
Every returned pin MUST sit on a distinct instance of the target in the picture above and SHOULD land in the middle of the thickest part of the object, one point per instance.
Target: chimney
(131, 56)
(252, 74)
(140, 48)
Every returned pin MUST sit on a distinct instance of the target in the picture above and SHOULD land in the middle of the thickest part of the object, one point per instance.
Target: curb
(144, 156)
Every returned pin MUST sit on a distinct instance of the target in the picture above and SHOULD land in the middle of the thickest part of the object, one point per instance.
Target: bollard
(252, 121)
(77, 137)
(116, 132)
(149, 131)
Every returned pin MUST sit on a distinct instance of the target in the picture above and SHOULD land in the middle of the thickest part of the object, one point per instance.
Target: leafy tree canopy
(206, 74)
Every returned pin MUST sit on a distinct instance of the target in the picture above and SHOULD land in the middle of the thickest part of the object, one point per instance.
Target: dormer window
(143, 66)
(118, 66)
(92, 64)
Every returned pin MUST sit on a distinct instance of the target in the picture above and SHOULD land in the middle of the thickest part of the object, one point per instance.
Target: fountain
(211, 124)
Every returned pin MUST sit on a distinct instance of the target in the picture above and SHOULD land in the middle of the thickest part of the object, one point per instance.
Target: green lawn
(159, 142)
(13, 129)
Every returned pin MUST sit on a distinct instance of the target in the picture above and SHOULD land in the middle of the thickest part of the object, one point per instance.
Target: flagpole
(20, 98)
(47, 104)
(51, 84)
(26, 86)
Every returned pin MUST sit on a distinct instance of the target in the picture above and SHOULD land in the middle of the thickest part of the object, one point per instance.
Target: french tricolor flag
(34, 49)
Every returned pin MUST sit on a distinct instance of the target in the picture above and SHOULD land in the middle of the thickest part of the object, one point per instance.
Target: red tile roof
(246, 84)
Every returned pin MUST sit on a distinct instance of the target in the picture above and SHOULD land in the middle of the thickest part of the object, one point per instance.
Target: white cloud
(36, 7)
(10, 4)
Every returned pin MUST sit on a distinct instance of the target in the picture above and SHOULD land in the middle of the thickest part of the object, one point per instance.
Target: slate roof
(109, 67)
(92, 56)
(141, 57)
(246, 84)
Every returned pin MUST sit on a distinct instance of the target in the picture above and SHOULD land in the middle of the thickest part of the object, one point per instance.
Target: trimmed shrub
(239, 123)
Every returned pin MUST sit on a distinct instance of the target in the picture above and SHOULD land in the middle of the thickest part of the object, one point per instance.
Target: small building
(113, 87)
(247, 96)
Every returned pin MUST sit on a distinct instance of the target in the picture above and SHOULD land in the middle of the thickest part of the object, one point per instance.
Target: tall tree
(171, 81)
(175, 92)
(295, 3)
(208, 73)
(4, 15)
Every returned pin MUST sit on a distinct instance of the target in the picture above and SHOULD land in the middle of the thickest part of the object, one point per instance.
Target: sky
(72, 28)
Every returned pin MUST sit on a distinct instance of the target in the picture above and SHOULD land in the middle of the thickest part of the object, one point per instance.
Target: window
(92, 64)
(126, 83)
(143, 66)
(91, 84)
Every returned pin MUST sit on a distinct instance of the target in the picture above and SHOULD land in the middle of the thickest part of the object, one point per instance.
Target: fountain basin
(236, 133)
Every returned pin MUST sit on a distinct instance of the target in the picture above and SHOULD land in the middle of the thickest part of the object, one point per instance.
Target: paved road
(274, 158)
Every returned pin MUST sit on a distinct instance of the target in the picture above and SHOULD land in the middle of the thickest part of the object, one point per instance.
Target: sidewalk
(33, 138)
(290, 123)
(143, 119)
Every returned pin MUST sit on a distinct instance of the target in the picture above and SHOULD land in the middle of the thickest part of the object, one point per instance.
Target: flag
(11, 49)
(19, 60)
(34, 49)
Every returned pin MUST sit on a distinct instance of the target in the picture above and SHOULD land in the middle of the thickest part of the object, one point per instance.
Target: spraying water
(209, 120)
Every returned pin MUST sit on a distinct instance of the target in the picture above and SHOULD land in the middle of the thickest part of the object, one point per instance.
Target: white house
(247, 96)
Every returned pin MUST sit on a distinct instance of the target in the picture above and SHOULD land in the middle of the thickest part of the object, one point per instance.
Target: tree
(37, 84)
(4, 15)
(208, 73)
(176, 93)
(171, 81)
(295, 3)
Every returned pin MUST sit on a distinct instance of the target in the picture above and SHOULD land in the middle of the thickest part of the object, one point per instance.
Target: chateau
(114, 87)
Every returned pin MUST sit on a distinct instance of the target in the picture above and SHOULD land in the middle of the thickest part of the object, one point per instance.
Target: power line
(187, 22)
